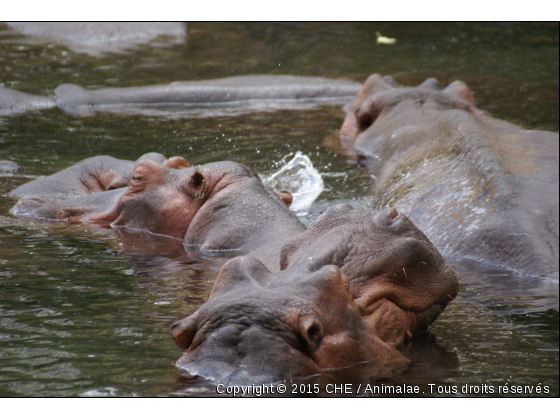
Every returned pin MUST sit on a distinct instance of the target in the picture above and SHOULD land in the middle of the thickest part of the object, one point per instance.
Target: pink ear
(391, 81)
(177, 162)
(431, 83)
(461, 90)
(349, 129)
(286, 197)
(374, 84)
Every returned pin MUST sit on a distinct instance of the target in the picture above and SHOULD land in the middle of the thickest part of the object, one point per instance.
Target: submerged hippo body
(98, 38)
(277, 90)
(12, 101)
(221, 205)
(350, 289)
(478, 187)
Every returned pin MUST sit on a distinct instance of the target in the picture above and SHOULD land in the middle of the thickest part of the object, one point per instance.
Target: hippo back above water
(262, 91)
(478, 187)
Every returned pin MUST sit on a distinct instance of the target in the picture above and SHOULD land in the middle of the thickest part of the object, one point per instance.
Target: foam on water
(299, 177)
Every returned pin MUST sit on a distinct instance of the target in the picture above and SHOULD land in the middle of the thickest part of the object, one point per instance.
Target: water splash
(300, 178)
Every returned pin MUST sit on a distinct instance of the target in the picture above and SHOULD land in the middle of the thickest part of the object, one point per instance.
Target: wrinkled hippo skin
(239, 89)
(221, 205)
(349, 289)
(95, 174)
(478, 187)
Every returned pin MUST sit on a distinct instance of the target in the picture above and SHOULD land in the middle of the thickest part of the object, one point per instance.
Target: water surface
(84, 313)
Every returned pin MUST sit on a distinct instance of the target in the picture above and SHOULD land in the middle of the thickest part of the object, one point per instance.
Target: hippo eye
(137, 178)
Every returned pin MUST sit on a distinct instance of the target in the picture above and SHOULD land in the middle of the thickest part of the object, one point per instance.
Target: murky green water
(81, 313)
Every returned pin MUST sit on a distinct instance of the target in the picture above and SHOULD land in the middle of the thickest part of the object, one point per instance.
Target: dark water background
(82, 313)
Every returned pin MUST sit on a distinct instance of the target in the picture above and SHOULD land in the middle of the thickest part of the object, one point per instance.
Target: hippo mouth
(234, 355)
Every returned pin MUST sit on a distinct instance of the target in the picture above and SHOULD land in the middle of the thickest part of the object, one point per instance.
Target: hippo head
(350, 289)
(382, 100)
(220, 205)
(295, 326)
(161, 198)
(172, 198)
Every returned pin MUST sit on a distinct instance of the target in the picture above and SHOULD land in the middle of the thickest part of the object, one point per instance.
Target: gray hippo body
(13, 101)
(479, 187)
(278, 90)
(98, 38)
(348, 290)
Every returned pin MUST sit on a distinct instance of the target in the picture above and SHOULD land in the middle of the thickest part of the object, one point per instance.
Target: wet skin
(479, 187)
(221, 205)
(351, 288)
(95, 174)
(263, 88)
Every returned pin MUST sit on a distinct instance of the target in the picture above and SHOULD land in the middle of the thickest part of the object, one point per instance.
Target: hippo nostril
(393, 213)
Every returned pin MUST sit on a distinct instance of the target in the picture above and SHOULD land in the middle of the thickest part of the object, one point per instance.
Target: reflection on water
(85, 310)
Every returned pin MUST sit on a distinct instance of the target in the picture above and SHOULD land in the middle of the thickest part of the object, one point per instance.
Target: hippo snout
(237, 354)
(27, 206)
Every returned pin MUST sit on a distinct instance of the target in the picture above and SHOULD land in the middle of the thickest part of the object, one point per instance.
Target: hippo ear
(334, 211)
(177, 162)
(431, 83)
(153, 156)
(184, 331)
(375, 84)
(241, 271)
(460, 89)
(286, 197)
(391, 81)
(365, 108)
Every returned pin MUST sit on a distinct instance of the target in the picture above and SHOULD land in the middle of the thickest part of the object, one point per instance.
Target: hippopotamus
(97, 38)
(480, 188)
(220, 205)
(13, 101)
(8, 166)
(280, 90)
(350, 289)
(91, 175)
